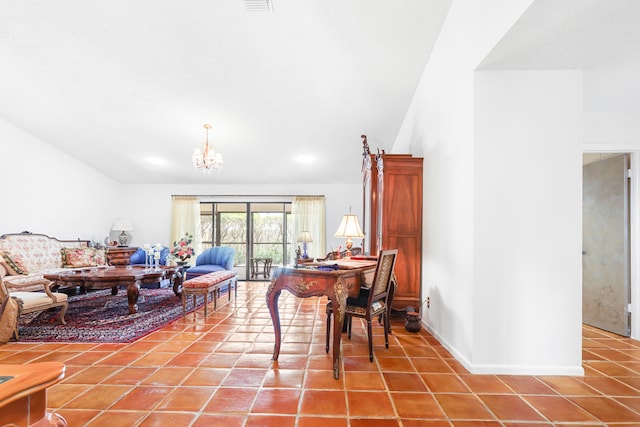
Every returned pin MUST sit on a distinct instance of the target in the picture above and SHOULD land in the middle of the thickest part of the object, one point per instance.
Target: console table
(311, 281)
(119, 255)
(23, 394)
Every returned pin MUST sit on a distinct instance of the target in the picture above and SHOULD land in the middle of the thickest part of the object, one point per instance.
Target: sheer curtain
(185, 218)
(308, 214)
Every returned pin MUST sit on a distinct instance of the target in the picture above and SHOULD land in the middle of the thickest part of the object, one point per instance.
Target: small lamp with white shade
(349, 228)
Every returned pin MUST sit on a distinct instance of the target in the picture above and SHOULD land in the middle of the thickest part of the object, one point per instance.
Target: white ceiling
(115, 82)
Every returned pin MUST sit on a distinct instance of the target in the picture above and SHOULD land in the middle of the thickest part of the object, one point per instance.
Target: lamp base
(123, 239)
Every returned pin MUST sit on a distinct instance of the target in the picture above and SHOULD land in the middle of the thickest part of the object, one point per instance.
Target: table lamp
(305, 237)
(349, 228)
(123, 225)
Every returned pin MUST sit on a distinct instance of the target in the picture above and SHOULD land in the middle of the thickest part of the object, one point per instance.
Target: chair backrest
(217, 255)
(383, 275)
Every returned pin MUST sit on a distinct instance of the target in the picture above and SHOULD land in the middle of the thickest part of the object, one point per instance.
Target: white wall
(149, 206)
(440, 126)
(527, 222)
(47, 191)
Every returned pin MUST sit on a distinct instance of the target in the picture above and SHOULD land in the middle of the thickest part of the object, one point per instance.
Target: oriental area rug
(98, 316)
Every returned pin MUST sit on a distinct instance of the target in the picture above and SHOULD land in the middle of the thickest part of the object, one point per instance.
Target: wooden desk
(309, 281)
(23, 396)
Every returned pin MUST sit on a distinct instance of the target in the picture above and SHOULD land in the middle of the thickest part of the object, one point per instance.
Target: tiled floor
(218, 372)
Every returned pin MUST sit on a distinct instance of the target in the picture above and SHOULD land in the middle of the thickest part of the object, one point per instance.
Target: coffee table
(113, 277)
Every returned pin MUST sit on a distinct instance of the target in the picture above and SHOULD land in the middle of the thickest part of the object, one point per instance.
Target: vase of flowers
(182, 249)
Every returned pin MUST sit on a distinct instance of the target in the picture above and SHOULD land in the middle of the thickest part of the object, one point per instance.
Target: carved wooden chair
(372, 301)
(35, 301)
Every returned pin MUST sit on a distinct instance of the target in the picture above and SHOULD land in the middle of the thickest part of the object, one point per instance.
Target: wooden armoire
(395, 212)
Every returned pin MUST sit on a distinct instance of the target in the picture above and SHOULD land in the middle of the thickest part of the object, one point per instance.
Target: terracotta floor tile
(323, 402)
(186, 399)
(106, 419)
(610, 386)
(423, 423)
(417, 405)
(60, 394)
(167, 376)
(284, 378)
(323, 380)
(163, 419)
(431, 365)
(82, 417)
(359, 363)
(526, 384)
(404, 382)
(91, 375)
(395, 364)
(612, 369)
(374, 422)
(122, 358)
(221, 360)
(485, 384)
(130, 376)
(311, 421)
(143, 398)
(568, 385)
(444, 383)
(239, 377)
(270, 421)
(98, 397)
(369, 381)
(232, 400)
(463, 406)
(510, 407)
(559, 409)
(219, 420)
(187, 359)
(154, 359)
(276, 401)
(369, 404)
(208, 377)
(607, 410)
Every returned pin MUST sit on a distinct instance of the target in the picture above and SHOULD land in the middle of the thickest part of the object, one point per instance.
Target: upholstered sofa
(214, 259)
(26, 257)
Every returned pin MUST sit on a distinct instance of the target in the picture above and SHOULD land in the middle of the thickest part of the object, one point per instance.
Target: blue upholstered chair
(213, 259)
(138, 257)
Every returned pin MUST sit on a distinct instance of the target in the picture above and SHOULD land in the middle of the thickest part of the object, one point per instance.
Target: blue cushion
(139, 257)
(199, 270)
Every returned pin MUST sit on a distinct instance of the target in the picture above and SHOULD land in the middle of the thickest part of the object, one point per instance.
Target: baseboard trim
(500, 369)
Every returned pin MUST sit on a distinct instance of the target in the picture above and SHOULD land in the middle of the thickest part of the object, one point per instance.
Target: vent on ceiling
(257, 5)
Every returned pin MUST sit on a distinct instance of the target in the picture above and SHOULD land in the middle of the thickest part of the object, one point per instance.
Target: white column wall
(528, 222)
(439, 126)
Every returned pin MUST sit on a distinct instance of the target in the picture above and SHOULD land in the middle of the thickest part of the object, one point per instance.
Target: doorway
(606, 260)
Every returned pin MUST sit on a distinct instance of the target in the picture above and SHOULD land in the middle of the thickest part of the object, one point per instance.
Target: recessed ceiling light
(156, 161)
(304, 159)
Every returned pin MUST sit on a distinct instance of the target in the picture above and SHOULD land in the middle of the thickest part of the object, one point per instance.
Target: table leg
(177, 282)
(133, 292)
(272, 303)
(339, 299)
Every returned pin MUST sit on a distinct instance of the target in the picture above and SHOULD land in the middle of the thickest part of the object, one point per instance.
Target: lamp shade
(349, 227)
(305, 237)
(122, 224)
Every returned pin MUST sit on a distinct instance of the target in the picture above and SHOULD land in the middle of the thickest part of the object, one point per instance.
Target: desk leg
(272, 302)
(339, 299)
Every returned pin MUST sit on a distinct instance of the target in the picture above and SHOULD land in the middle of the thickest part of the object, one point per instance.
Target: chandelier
(207, 159)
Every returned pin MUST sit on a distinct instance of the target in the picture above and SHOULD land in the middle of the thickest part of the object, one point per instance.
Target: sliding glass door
(254, 230)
